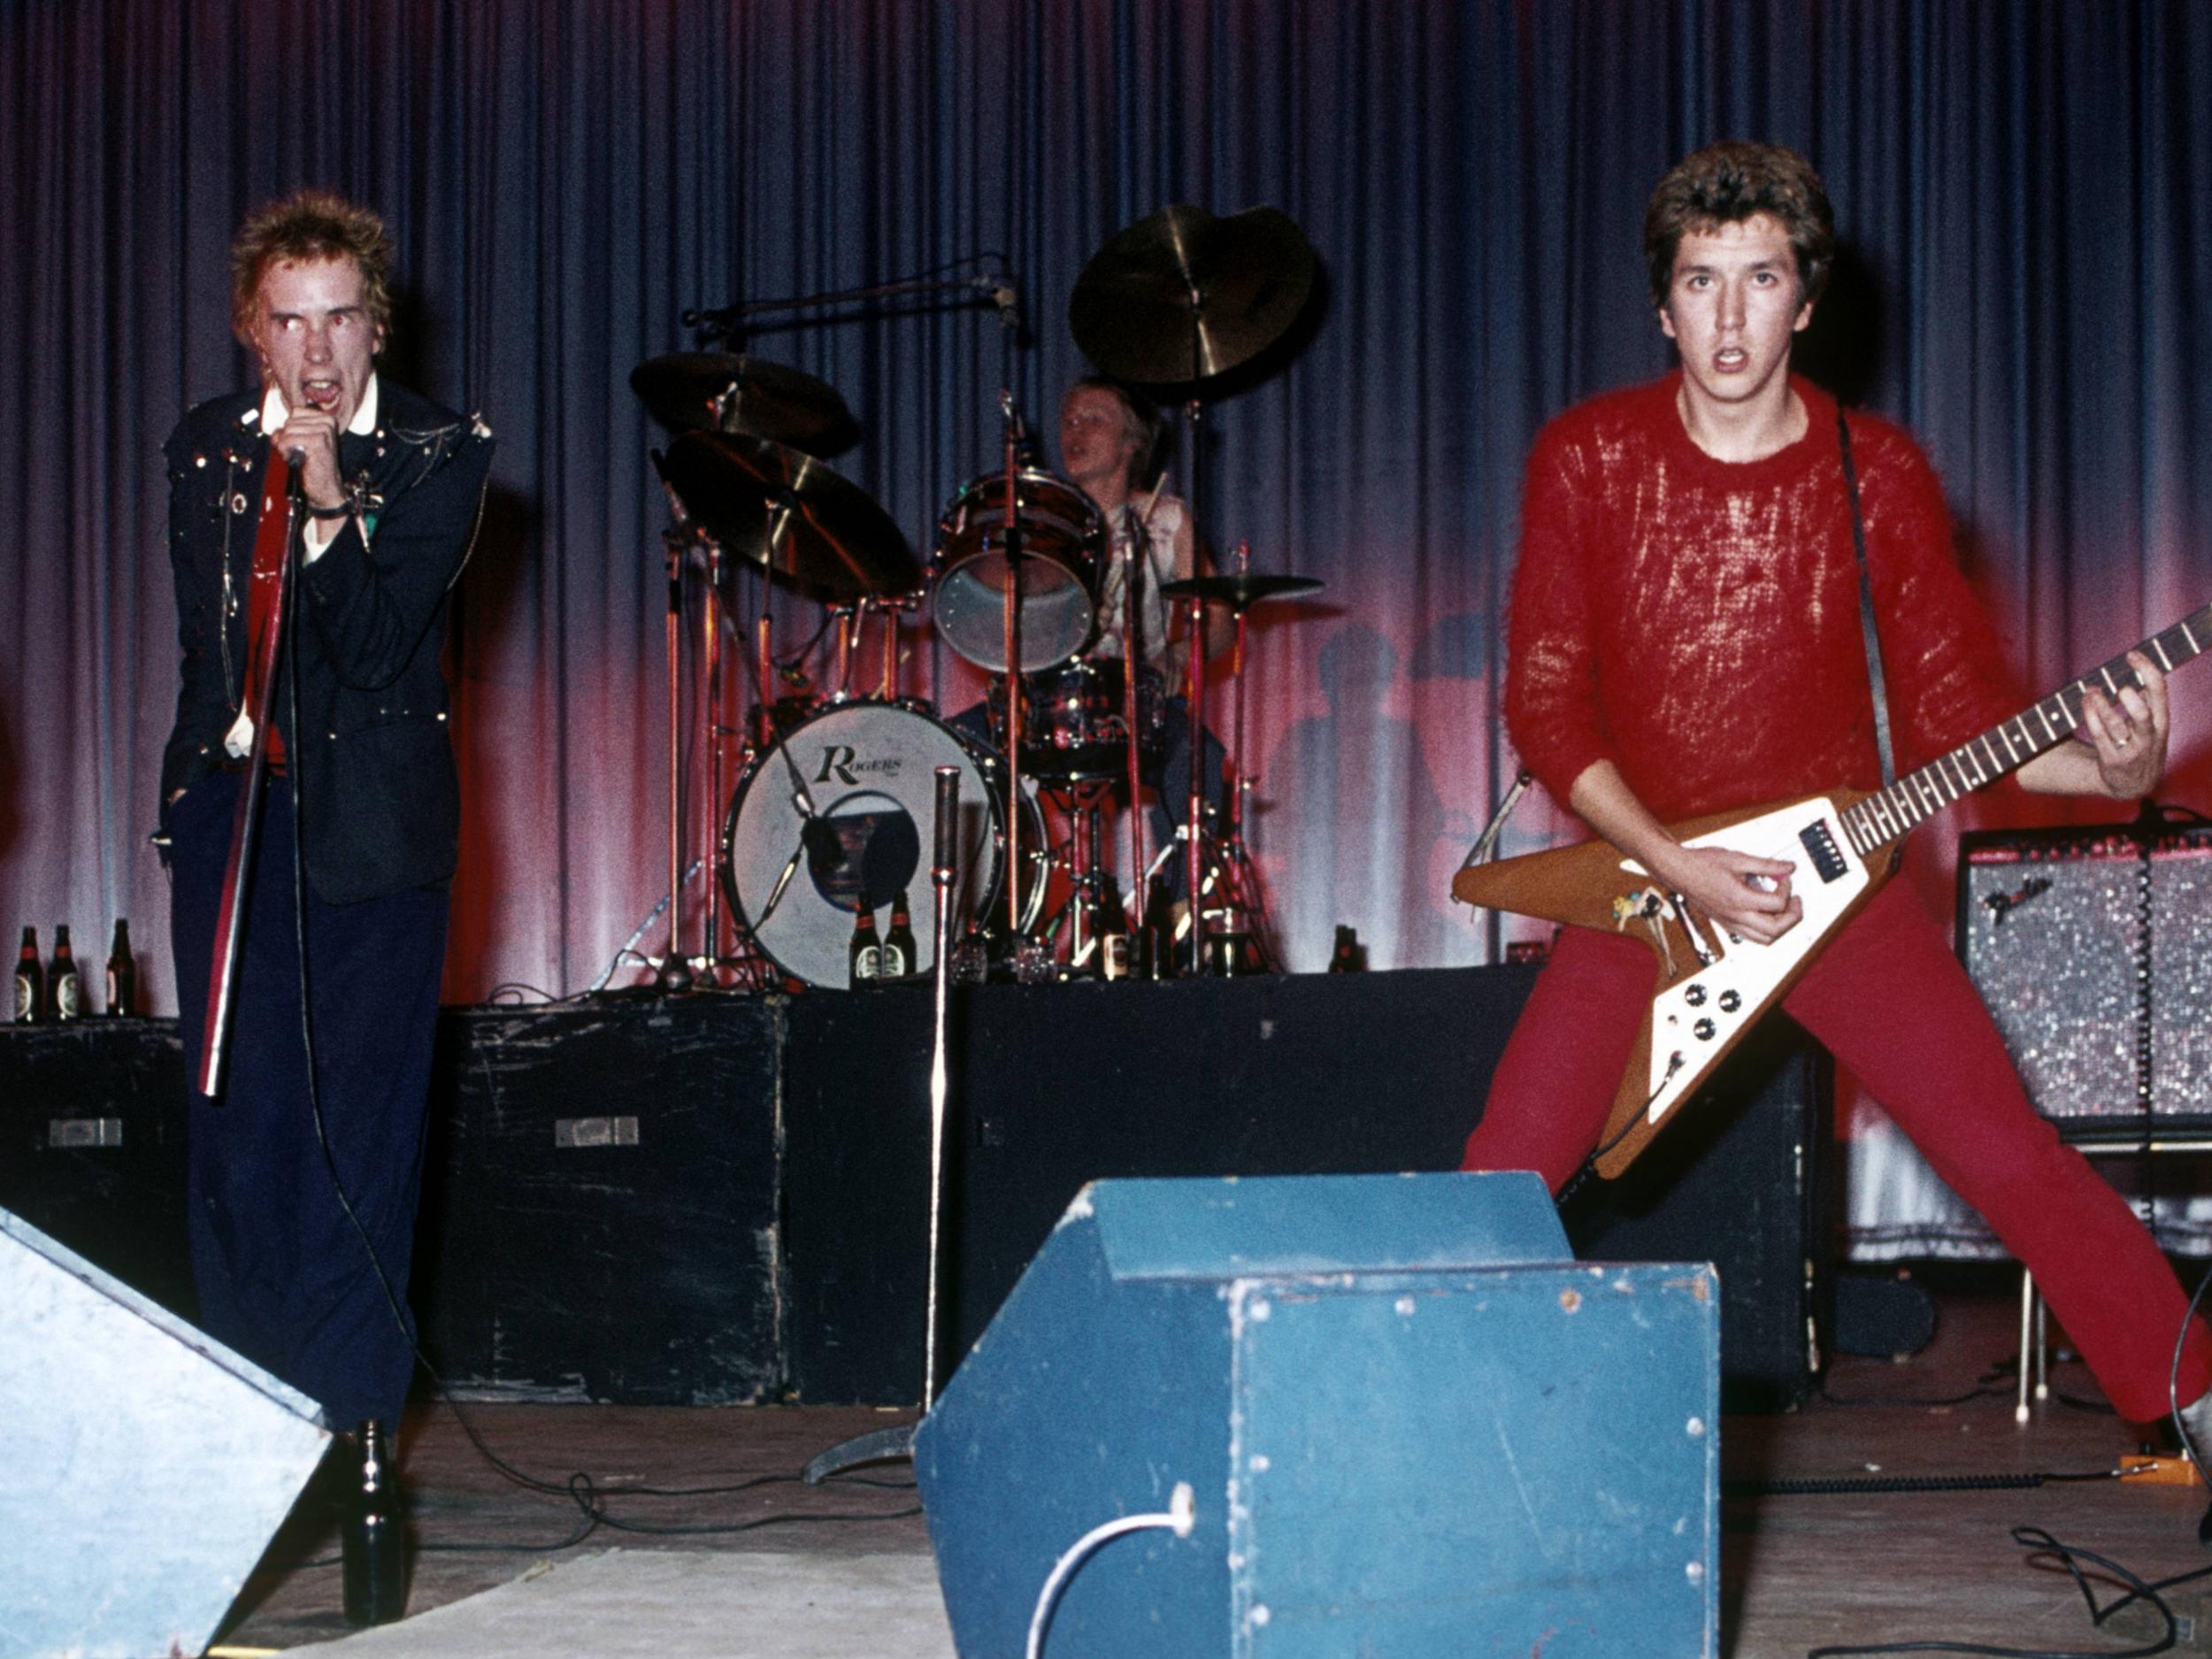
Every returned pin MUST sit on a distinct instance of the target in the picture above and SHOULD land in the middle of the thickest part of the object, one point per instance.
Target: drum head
(1063, 540)
(868, 769)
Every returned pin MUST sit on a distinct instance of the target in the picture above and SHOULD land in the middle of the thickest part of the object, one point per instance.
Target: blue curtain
(2026, 191)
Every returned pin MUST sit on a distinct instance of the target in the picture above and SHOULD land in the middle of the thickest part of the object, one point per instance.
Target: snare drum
(1074, 727)
(1064, 546)
(868, 770)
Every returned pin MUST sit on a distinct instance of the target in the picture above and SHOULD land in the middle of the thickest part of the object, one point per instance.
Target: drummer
(1110, 448)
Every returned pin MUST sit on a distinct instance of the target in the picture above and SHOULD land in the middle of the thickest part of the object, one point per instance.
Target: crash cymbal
(1240, 590)
(832, 543)
(1182, 296)
(713, 391)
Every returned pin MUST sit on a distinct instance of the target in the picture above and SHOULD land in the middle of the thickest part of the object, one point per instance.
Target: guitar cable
(1575, 1183)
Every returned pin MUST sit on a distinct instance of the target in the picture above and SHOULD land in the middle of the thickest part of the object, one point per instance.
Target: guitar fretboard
(1917, 797)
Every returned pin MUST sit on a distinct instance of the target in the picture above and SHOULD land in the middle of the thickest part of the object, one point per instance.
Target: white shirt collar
(275, 410)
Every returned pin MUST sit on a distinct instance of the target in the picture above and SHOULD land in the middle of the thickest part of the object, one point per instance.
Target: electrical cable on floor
(2189, 1448)
(2041, 1542)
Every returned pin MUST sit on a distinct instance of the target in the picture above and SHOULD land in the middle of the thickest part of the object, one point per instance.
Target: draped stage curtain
(2025, 190)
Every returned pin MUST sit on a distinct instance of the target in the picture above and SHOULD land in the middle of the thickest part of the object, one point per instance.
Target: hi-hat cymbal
(1240, 590)
(713, 391)
(1182, 296)
(805, 524)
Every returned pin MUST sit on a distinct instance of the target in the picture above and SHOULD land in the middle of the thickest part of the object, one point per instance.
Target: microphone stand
(883, 1445)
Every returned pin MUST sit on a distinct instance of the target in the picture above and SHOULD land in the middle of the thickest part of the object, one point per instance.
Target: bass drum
(869, 771)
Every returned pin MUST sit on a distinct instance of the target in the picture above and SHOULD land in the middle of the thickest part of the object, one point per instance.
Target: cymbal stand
(1195, 644)
(1131, 654)
(674, 975)
(711, 725)
(1011, 639)
(1244, 905)
(1194, 849)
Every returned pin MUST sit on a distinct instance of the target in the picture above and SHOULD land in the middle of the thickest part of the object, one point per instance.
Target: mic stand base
(877, 1446)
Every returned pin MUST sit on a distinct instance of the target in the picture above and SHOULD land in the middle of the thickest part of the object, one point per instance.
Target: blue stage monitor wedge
(1412, 1423)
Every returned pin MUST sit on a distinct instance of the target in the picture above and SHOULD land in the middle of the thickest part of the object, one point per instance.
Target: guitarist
(393, 486)
(1686, 639)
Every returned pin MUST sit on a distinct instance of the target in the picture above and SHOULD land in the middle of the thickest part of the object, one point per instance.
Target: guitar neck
(1895, 812)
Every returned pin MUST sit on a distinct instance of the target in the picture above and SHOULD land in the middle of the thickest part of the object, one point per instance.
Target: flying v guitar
(1712, 986)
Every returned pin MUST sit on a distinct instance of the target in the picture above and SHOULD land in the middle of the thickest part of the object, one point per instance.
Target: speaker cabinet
(1411, 1424)
(2094, 949)
(143, 1468)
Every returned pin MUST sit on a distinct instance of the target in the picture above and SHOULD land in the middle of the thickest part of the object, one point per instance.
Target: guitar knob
(1694, 996)
(1704, 1029)
(1730, 1001)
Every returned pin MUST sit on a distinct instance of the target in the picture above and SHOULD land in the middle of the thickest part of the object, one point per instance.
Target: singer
(393, 488)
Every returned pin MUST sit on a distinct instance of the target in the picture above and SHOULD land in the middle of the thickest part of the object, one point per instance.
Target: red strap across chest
(263, 592)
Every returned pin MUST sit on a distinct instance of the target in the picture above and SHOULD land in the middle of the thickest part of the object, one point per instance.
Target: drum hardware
(810, 527)
(1244, 912)
(826, 821)
(1179, 299)
(1062, 536)
(1010, 614)
(714, 391)
(800, 523)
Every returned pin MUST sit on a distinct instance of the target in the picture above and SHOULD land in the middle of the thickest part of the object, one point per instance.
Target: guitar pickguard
(1699, 1015)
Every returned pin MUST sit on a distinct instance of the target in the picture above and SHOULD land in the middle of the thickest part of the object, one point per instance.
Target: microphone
(946, 852)
(1005, 297)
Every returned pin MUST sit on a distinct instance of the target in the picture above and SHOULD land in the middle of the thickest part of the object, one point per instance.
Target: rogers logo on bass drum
(843, 763)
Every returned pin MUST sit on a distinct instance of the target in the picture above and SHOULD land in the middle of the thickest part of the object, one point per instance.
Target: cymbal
(808, 525)
(1240, 590)
(1182, 296)
(713, 391)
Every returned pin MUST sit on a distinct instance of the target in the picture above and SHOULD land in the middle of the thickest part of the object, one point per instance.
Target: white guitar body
(1702, 1013)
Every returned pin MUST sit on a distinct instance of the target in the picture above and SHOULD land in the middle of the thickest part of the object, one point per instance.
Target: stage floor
(1798, 1573)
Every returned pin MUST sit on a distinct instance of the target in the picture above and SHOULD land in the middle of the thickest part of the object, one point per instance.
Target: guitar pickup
(1820, 846)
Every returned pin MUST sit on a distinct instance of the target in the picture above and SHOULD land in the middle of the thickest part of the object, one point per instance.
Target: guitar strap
(1866, 607)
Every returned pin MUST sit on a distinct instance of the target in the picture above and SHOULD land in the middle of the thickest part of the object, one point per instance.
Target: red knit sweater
(1696, 621)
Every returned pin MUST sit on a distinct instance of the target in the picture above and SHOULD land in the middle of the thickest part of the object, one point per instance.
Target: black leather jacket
(380, 801)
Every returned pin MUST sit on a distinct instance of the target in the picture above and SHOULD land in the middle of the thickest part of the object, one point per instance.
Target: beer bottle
(898, 942)
(1349, 957)
(30, 981)
(370, 1533)
(122, 974)
(867, 954)
(61, 985)
(1113, 932)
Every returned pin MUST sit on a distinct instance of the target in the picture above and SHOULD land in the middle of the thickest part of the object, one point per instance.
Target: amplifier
(2092, 948)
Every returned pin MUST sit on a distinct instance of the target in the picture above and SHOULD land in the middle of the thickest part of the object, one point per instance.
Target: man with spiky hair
(1685, 640)
(303, 1189)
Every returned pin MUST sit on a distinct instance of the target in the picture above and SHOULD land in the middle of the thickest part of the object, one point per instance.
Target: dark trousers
(283, 1276)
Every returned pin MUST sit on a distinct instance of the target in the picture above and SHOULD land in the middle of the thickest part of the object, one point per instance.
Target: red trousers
(1890, 1002)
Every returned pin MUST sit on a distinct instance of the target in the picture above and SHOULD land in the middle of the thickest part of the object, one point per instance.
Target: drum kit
(831, 780)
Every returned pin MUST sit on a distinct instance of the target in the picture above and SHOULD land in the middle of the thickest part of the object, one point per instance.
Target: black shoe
(373, 1530)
